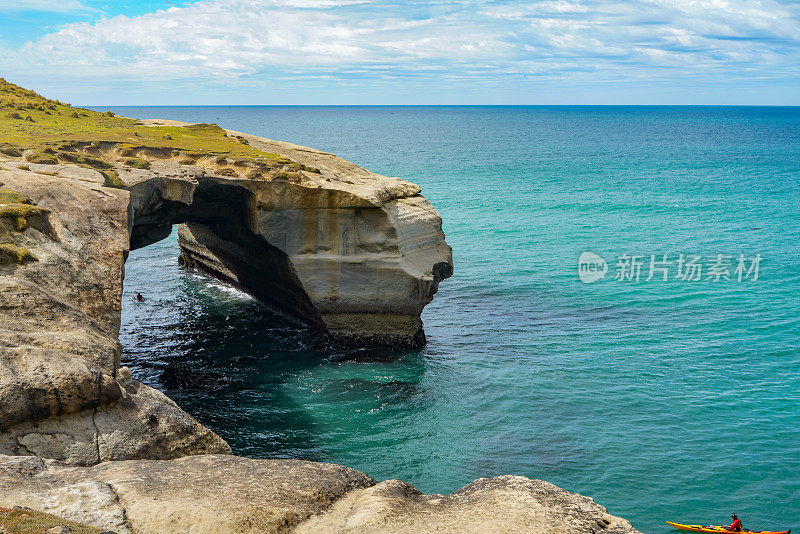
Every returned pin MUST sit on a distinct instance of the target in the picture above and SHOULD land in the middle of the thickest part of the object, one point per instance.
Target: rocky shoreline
(219, 493)
(353, 254)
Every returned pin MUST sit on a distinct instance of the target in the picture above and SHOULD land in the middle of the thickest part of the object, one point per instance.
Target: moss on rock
(26, 521)
(9, 196)
(137, 163)
(11, 253)
(289, 176)
(112, 179)
(19, 213)
(228, 172)
(83, 159)
(41, 158)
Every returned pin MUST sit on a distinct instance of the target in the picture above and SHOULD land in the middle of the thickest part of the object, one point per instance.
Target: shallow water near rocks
(670, 400)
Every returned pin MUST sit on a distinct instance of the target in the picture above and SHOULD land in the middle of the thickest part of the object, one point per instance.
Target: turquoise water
(674, 400)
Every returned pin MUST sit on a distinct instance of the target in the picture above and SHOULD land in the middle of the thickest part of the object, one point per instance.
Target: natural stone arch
(355, 254)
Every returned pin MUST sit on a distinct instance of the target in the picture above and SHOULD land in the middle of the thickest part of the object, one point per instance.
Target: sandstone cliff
(353, 254)
(357, 254)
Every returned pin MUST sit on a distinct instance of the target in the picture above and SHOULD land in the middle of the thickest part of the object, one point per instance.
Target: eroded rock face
(194, 494)
(502, 504)
(62, 393)
(212, 494)
(355, 254)
(368, 250)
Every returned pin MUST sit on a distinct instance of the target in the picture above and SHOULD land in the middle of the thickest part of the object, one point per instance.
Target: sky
(319, 52)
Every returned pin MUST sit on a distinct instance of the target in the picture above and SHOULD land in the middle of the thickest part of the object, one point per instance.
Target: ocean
(662, 379)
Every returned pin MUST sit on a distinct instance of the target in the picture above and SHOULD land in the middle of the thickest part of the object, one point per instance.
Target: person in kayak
(138, 297)
(736, 526)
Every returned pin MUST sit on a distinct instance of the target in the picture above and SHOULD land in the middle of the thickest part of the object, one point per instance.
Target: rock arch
(352, 253)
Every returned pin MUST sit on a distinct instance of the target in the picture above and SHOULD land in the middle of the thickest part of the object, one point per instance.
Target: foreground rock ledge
(213, 494)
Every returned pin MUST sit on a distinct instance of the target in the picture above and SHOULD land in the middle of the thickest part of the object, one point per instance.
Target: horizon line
(440, 105)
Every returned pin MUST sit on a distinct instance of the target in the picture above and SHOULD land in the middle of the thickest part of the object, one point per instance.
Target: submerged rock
(178, 375)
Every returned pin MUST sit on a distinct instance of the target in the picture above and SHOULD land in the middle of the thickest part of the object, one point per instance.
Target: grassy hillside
(56, 131)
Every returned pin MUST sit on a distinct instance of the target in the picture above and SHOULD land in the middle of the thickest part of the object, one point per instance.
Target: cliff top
(49, 131)
(38, 130)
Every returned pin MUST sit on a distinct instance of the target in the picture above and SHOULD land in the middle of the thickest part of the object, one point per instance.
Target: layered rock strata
(62, 392)
(356, 254)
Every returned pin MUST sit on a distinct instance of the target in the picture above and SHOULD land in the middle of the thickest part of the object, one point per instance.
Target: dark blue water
(663, 400)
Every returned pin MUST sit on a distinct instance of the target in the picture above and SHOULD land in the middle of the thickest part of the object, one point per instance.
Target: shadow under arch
(224, 215)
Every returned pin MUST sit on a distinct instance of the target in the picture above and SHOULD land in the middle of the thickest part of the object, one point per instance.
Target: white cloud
(463, 39)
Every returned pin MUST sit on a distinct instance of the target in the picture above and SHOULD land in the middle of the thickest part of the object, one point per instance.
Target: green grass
(137, 163)
(11, 253)
(8, 196)
(60, 133)
(66, 124)
(27, 521)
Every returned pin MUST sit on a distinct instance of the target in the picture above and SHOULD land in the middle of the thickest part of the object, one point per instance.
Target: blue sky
(156, 52)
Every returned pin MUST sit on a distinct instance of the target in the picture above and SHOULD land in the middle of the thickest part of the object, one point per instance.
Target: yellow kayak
(722, 530)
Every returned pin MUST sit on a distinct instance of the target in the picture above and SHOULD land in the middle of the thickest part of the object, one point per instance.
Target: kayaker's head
(733, 516)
